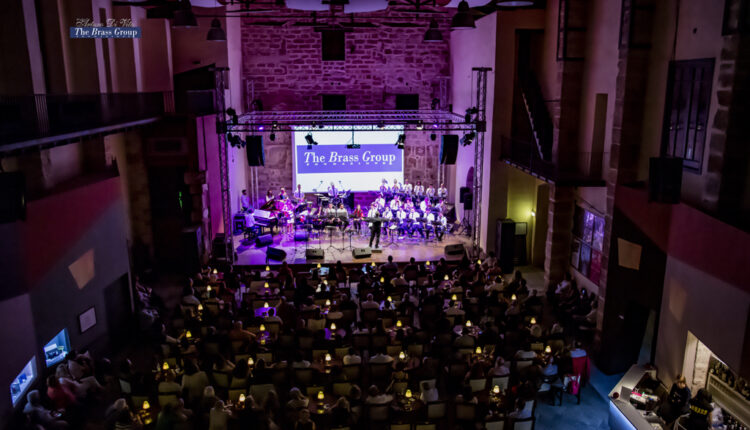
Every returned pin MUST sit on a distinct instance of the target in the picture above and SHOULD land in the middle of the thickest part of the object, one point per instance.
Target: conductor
(375, 225)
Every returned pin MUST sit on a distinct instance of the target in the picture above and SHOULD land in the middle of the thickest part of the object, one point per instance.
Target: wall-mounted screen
(23, 381)
(56, 349)
(356, 161)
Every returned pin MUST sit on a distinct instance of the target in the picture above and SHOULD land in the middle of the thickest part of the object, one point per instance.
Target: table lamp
(265, 305)
(389, 298)
(513, 297)
(468, 323)
(478, 350)
(325, 281)
(318, 266)
(496, 390)
(328, 357)
(401, 355)
(407, 394)
(333, 326)
(200, 308)
(268, 268)
(208, 289)
(548, 349)
(165, 366)
(262, 327)
(454, 297)
(445, 278)
(215, 271)
(532, 321)
(188, 334)
(328, 302)
(479, 262)
(372, 264)
(146, 406)
(382, 279)
(427, 263)
(321, 396)
(399, 323)
(242, 398)
(265, 285)
(250, 361)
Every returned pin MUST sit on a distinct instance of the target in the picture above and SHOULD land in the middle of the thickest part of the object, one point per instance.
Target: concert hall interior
(374, 214)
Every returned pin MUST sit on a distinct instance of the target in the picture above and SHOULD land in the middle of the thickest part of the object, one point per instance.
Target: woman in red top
(357, 215)
(59, 394)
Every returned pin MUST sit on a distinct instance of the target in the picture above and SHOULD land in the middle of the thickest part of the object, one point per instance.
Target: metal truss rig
(419, 120)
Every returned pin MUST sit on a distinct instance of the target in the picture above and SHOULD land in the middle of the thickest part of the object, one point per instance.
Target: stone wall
(283, 65)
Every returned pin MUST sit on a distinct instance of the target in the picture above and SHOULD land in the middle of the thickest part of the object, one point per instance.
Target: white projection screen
(361, 169)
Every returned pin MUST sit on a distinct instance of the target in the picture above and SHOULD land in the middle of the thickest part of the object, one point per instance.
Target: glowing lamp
(321, 396)
(242, 398)
(382, 279)
(188, 334)
(468, 323)
(200, 308)
(427, 263)
(265, 285)
(265, 305)
(318, 265)
(496, 389)
(479, 262)
(333, 326)
(317, 290)
(548, 349)
(250, 361)
(399, 323)
(208, 289)
(328, 357)
(478, 350)
(328, 302)
(165, 366)
(146, 405)
(532, 321)
(389, 298)
(407, 394)
(401, 355)
(268, 268)
(533, 213)
(262, 327)
(445, 278)
(263, 341)
(215, 271)
(454, 297)
(325, 281)
(372, 264)
(513, 297)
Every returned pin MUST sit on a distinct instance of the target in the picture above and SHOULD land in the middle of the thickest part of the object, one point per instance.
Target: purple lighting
(260, 127)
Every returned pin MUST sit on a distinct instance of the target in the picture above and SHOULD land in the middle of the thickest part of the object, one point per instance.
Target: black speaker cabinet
(314, 254)
(12, 197)
(448, 149)
(665, 180)
(275, 254)
(191, 242)
(362, 252)
(255, 156)
(505, 244)
(218, 247)
(457, 249)
(264, 240)
(462, 192)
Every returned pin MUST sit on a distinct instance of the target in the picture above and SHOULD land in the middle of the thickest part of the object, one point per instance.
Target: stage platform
(337, 249)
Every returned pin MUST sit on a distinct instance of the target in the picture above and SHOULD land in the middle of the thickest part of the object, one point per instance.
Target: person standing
(375, 225)
(245, 201)
(442, 192)
(677, 402)
(299, 195)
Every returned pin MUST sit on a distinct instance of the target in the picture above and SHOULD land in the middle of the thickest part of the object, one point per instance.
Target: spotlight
(274, 125)
(216, 33)
(310, 140)
(272, 136)
(462, 19)
(260, 128)
(433, 136)
(468, 138)
(420, 125)
(469, 113)
(514, 3)
(381, 124)
(235, 141)
(433, 34)
(401, 141)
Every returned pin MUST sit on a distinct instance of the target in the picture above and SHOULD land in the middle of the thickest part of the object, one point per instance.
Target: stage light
(310, 140)
(216, 33)
(381, 124)
(462, 19)
(467, 138)
(260, 128)
(272, 136)
(433, 34)
(274, 125)
(533, 213)
(401, 141)
(184, 16)
(232, 115)
(433, 136)
(420, 125)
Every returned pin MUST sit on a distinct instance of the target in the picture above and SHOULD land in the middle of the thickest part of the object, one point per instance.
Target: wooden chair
(238, 383)
(340, 352)
(522, 364)
(380, 374)
(378, 413)
(353, 372)
(501, 381)
(426, 426)
(436, 410)
(415, 349)
(400, 426)
(369, 316)
(168, 399)
(494, 425)
(265, 356)
(477, 384)
(523, 424)
(393, 350)
(400, 387)
(305, 343)
(273, 327)
(537, 346)
(221, 379)
(466, 412)
(361, 341)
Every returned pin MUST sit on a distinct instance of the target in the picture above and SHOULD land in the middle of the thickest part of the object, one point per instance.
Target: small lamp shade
(402, 355)
(250, 361)
(262, 327)
(146, 406)
(265, 285)
(200, 307)
(468, 323)
(479, 262)
(513, 297)
(548, 349)
(427, 263)
(407, 394)
(321, 396)
(496, 389)
(478, 350)
(532, 321)
(209, 288)
(318, 266)
(454, 297)
(372, 264)
(268, 268)
(215, 271)
(333, 326)
(265, 305)
(328, 302)
(399, 323)
(188, 334)
(328, 357)
(445, 278)
(382, 279)
(242, 398)
(165, 366)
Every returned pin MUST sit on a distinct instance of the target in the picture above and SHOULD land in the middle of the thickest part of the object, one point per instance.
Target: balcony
(581, 169)
(29, 120)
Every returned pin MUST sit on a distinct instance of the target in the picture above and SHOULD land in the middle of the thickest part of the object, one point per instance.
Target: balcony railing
(30, 117)
(580, 169)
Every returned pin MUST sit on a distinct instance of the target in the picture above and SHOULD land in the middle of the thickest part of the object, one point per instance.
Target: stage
(335, 249)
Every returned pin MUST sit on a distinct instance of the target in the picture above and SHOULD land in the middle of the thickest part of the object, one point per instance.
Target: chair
(537, 346)
(380, 374)
(273, 327)
(361, 341)
(125, 387)
(369, 316)
(342, 388)
(167, 399)
(494, 425)
(501, 381)
(477, 384)
(378, 413)
(428, 426)
(221, 379)
(238, 383)
(530, 407)
(340, 352)
(400, 427)
(556, 344)
(237, 345)
(466, 412)
(303, 377)
(379, 341)
(318, 354)
(353, 372)
(400, 387)
(523, 424)
(305, 342)
(234, 394)
(316, 324)
(416, 349)
(393, 350)
(265, 356)
(522, 364)
(436, 410)
(260, 392)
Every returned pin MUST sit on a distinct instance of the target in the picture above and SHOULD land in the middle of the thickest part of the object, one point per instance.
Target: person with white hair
(41, 416)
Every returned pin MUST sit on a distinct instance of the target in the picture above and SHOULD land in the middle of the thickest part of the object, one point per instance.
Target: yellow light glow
(146, 405)
(321, 396)
(389, 298)
(401, 355)
(333, 326)
(318, 266)
(382, 279)
(532, 321)
(533, 213)
(165, 366)
(496, 389)
(468, 323)
(427, 263)
(445, 278)
(250, 361)
(328, 302)
(478, 350)
(548, 349)
(265, 285)
(513, 297)
(268, 268)
(208, 289)
(188, 334)
(262, 327)
(265, 305)
(479, 262)
(263, 341)
(407, 394)
(325, 281)
(399, 323)
(328, 357)
(200, 307)
(454, 297)
(215, 271)
(242, 398)
(372, 264)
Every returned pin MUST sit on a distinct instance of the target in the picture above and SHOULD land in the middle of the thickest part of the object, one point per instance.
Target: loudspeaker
(300, 236)
(665, 180)
(255, 156)
(263, 240)
(12, 197)
(218, 247)
(191, 246)
(457, 249)
(362, 252)
(448, 149)
(275, 254)
(314, 253)
(505, 243)
(461, 192)
(466, 197)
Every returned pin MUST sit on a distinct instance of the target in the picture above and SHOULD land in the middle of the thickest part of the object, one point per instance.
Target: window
(588, 240)
(334, 102)
(686, 111)
(23, 381)
(57, 348)
(407, 101)
(333, 45)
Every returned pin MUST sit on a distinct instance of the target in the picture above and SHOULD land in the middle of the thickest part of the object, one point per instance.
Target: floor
(591, 414)
(338, 247)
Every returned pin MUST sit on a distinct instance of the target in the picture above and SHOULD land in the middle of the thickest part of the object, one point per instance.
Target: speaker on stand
(467, 198)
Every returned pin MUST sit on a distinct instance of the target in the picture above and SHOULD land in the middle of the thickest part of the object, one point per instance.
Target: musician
(401, 215)
(415, 225)
(375, 226)
(442, 192)
(332, 191)
(269, 196)
(407, 187)
(343, 216)
(429, 226)
(380, 201)
(299, 195)
(442, 206)
(282, 194)
(419, 189)
(409, 205)
(327, 210)
(245, 201)
(424, 205)
(430, 192)
(442, 226)
(358, 214)
(394, 204)
(396, 187)
(384, 187)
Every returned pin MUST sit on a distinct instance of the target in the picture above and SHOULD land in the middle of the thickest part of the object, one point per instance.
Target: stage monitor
(355, 169)
(57, 348)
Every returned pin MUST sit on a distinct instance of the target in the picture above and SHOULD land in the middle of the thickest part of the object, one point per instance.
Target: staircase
(539, 118)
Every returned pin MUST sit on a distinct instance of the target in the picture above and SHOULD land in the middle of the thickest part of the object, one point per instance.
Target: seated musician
(419, 189)
(408, 206)
(442, 192)
(384, 187)
(269, 196)
(358, 214)
(396, 188)
(299, 195)
(415, 225)
(402, 215)
(429, 226)
(442, 206)
(332, 190)
(407, 187)
(380, 201)
(424, 205)
(442, 226)
(282, 194)
(394, 204)
(343, 216)
(430, 192)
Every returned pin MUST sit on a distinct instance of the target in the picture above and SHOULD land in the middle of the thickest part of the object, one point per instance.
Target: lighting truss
(351, 121)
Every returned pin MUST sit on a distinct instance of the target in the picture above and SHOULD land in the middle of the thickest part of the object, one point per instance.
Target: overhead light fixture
(184, 16)
(514, 3)
(401, 141)
(420, 125)
(467, 138)
(310, 141)
(433, 33)
(216, 33)
(381, 124)
(462, 19)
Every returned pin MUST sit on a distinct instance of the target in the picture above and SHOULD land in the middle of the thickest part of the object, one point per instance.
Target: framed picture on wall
(87, 319)
(598, 233)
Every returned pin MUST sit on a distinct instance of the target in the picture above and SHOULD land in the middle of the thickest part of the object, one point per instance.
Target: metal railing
(28, 117)
(538, 114)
